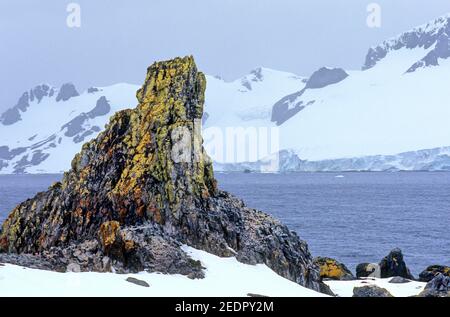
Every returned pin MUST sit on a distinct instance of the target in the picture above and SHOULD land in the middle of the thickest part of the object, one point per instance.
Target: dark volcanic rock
(430, 272)
(368, 270)
(287, 107)
(290, 105)
(399, 280)
(137, 282)
(332, 269)
(92, 90)
(371, 291)
(394, 265)
(439, 286)
(31, 261)
(255, 295)
(325, 77)
(66, 92)
(143, 188)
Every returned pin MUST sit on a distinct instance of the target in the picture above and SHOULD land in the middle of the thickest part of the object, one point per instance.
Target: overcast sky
(118, 39)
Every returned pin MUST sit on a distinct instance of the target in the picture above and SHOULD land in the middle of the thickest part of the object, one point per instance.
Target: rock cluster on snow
(390, 266)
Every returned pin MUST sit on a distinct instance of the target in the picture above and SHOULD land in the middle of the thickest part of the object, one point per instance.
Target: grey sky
(119, 39)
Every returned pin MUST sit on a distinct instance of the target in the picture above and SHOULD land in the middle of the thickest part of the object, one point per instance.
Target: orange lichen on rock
(332, 269)
(109, 233)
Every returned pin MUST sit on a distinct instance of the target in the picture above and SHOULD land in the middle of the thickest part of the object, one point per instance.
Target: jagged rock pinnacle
(145, 186)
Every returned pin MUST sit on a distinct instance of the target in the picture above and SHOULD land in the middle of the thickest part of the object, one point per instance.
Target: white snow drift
(225, 277)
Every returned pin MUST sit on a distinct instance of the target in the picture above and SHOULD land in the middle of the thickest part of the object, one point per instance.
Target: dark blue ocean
(353, 217)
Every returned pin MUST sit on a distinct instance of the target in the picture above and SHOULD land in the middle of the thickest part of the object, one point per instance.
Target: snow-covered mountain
(334, 120)
(48, 125)
(399, 102)
(248, 101)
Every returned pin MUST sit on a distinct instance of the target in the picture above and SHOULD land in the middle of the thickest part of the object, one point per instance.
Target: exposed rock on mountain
(66, 92)
(325, 77)
(288, 106)
(13, 114)
(143, 188)
(433, 38)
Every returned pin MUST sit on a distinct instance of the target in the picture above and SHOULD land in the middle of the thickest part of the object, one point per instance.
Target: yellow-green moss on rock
(127, 174)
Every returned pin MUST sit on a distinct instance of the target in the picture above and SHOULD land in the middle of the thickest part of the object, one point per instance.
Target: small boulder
(332, 269)
(430, 272)
(394, 265)
(370, 291)
(73, 267)
(255, 295)
(137, 282)
(439, 286)
(368, 270)
(399, 280)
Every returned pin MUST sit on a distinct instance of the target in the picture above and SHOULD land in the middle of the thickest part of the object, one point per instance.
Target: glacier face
(437, 159)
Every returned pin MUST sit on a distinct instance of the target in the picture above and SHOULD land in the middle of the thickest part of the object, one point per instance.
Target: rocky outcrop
(371, 291)
(390, 266)
(368, 270)
(399, 280)
(430, 272)
(325, 77)
(439, 286)
(290, 105)
(66, 92)
(332, 269)
(433, 38)
(394, 265)
(13, 115)
(143, 188)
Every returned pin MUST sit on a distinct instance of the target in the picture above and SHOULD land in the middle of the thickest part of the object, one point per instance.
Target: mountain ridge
(396, 105)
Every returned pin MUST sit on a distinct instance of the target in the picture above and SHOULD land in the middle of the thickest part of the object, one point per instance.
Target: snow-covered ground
(225, 277)
(345, 288)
